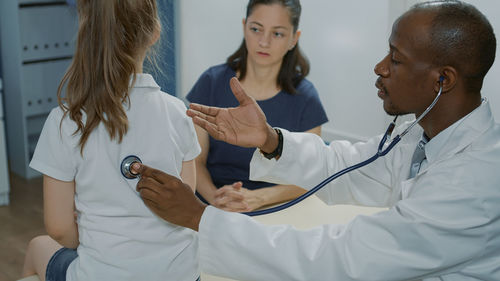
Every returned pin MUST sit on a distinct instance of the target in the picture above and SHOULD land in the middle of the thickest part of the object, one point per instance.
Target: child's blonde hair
(112, 35)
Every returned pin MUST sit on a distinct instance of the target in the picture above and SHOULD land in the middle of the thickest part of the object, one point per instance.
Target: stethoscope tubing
(127, 162)
(380, 152)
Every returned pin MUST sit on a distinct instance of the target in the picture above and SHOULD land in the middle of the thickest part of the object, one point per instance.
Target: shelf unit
(37, 43)
(4, 175)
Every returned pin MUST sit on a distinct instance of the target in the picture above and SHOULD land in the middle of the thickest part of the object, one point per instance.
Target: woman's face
(269, 34)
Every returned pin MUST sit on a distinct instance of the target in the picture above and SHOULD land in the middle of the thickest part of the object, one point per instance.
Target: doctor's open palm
(244, 125)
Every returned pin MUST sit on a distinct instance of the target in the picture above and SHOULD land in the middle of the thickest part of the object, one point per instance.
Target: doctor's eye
(395, 62)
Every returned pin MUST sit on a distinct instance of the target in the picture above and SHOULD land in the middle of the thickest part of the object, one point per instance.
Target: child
(111, 110)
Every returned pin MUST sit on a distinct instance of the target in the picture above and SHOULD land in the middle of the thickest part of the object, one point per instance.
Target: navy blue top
(227, 163)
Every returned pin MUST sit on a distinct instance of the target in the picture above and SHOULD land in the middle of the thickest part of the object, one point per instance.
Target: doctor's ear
(448, 77)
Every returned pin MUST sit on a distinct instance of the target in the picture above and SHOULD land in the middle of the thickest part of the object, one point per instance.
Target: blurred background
(343, 41)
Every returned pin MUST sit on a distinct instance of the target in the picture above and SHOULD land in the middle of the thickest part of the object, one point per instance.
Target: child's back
(120, 238)
(110, 111)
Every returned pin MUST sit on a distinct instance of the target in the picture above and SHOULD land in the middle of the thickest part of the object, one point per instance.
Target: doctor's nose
(381, 68)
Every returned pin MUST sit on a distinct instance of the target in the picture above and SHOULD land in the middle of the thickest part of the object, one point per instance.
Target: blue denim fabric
(59, 263)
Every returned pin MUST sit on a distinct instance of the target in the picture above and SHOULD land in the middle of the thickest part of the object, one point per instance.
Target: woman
(272, 70)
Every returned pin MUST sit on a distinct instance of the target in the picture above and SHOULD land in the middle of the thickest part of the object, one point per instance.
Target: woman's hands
(236, 198)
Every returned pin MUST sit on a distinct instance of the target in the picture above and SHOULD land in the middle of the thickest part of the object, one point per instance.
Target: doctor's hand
(244, 125)
(168, 197)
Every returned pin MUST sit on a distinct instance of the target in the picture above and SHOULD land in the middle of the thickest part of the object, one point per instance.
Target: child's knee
(38, 244)
(38, 241)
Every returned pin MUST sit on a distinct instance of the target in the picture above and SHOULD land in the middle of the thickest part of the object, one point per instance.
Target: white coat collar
(461, 134)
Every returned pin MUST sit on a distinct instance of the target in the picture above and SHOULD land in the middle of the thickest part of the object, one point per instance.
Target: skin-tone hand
(168, 197)
(236, 198)
(231, 198)
(244, 125)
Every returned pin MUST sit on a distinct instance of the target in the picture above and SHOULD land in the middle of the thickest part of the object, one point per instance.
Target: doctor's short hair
(461, 37)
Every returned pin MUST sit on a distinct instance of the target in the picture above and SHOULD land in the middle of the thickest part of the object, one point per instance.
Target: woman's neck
(261, 82)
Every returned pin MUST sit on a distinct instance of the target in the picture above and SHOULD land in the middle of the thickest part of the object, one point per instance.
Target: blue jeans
(59, 263)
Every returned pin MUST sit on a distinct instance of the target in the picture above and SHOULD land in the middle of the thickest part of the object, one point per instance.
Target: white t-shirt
(120, 238)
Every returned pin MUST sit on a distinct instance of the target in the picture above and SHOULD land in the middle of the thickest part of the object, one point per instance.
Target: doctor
(443, 221)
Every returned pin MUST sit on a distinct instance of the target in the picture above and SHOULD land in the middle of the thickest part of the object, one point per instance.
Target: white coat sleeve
(419, 238)
(306, 161)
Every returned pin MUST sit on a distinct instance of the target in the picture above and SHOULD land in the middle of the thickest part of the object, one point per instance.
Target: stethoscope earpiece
(126, 165)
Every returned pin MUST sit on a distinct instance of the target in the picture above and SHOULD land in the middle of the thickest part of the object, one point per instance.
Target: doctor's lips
(382, 91)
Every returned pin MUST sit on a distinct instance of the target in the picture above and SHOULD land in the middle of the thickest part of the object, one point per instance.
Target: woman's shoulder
(210, 85)
(306, 88)
(220, 71)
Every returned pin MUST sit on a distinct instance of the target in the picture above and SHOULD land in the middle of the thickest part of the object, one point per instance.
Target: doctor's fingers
(148, 183)
(203, 111)
(212, 129)
(239, 92)
(160, 176)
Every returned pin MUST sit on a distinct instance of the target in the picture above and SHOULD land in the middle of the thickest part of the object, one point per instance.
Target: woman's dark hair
(294, 67)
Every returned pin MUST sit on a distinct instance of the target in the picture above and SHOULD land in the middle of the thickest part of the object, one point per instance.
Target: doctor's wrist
(273, 146)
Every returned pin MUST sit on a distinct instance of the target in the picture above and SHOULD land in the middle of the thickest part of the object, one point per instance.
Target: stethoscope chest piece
(126, 165)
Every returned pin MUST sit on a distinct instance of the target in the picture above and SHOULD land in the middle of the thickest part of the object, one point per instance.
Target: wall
(207, 32)
(342, 41)
(491, 86)
(165, 56)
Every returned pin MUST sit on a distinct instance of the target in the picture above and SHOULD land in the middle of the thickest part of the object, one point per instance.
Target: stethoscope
(381, 151)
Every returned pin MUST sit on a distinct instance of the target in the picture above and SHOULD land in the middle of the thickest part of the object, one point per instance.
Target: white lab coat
(444, 224)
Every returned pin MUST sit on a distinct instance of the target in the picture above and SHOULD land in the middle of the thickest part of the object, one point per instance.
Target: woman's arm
(261, 197)
(257, 198)
(234, 200)
(59, 211)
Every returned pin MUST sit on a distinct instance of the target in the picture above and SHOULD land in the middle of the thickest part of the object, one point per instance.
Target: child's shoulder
(172, 101)
(57, 119)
